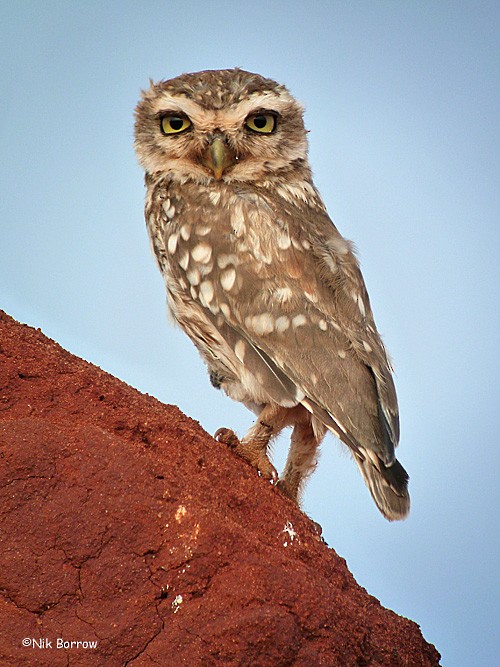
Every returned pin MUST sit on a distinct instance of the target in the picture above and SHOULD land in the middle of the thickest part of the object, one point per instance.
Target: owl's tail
(388, 486)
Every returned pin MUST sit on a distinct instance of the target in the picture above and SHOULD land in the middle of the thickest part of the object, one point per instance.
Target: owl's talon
(227, 437)
(263, 465)
(274, 477)
(247, 451)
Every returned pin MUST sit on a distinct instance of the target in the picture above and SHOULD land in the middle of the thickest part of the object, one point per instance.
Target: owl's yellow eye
(264, 123)
(173, 124)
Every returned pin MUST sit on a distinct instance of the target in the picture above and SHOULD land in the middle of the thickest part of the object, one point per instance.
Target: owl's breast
(203, 245)
(206, 238)
(198, 254)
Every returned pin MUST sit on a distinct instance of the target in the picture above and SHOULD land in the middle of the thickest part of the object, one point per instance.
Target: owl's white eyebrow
(171, 112)
(233, 114)
(266, 101)
(169, 103)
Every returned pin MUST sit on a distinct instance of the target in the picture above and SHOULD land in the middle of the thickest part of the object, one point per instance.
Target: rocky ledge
(130, 537)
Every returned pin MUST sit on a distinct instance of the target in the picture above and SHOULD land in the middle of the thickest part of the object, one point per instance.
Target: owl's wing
(303, 366)
(281, 381)
(303, 325)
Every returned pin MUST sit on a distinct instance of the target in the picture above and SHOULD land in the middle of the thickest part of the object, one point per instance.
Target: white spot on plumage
(305, 244)
(185, 231)
(193, 275)
(299, 321)
(338, 245)
(202, 230)
(226, 260)
(228, 278)
(282, 323)
(322, 325)
(367, 347)
(263, 323)
(358, 299)
(283, 240)
(225, 310)
(283, 294)
(201, 252)
(239, 350)
(184, 260)
(341, 353)
(207, 291)
(172, 243)
(193, 292)
(168, 209)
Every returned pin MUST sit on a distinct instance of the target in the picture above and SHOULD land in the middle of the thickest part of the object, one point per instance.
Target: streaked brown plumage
(261, 280)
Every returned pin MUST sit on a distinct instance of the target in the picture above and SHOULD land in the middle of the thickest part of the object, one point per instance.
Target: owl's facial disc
(259, 125)
(218, 156)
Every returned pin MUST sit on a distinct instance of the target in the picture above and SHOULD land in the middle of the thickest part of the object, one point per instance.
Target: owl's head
(227, 125)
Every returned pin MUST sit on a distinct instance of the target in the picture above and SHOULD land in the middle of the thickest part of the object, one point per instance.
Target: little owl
(260, 279)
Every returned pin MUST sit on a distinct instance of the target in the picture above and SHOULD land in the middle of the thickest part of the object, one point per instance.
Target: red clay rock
(124, 524)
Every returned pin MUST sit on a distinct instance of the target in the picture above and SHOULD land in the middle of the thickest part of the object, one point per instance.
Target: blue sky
(402, 103)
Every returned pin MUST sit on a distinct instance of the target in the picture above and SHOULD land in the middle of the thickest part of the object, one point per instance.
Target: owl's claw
(250, 451)
(227, 437)
(267, 470)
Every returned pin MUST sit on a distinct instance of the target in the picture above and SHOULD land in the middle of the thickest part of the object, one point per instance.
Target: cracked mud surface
(123, 523)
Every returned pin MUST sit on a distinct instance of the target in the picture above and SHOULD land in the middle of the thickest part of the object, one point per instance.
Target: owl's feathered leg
(253, 447)
(302, 457)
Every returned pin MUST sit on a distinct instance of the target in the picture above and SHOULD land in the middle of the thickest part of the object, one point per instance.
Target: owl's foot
(227, 437)
(252, 451)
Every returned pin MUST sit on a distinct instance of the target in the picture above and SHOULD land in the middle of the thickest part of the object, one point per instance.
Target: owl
(260, 279)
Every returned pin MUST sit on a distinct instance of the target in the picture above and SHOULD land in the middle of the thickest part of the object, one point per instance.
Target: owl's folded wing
(308, 336)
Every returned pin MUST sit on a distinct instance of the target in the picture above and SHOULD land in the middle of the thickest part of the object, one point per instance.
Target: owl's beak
(218, 157)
